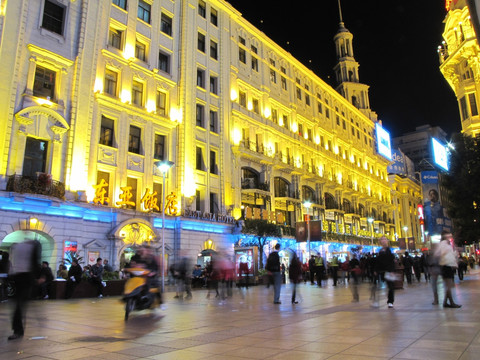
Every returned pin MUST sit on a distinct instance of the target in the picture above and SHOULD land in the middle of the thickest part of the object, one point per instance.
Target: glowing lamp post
(370, 221)
(163, 166)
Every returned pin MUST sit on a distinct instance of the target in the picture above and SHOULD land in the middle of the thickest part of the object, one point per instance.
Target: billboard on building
(433, 211)
(440, 154)
(398, 165)
(384, 144)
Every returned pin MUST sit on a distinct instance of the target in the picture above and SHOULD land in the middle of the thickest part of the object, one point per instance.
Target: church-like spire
(346, 70)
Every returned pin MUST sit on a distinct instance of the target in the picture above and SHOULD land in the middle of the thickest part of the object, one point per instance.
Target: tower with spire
(346, 71)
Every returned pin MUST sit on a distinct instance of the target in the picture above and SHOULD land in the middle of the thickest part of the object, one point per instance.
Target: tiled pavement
(325, 325)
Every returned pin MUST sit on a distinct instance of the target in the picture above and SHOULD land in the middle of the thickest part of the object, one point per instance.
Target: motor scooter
(137, 295)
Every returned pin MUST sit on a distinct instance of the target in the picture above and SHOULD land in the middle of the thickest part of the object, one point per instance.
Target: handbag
(391, 276)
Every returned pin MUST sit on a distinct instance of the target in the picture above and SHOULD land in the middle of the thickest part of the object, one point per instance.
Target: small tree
(261, 230)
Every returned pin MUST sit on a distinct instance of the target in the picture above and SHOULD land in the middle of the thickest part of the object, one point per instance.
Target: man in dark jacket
(311, 268)
(96, 273)
(273, 265)
(385, 267)
(73, 279)
(46, 275)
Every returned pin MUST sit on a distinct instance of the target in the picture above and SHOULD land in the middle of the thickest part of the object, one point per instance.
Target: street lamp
(405, 228)
(370, 220)
(307, 205)
(164, 166)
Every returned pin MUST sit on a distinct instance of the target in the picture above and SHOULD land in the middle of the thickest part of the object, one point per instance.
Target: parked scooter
(137, 295)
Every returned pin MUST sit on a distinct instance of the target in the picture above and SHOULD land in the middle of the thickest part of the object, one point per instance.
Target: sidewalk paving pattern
(324, 325)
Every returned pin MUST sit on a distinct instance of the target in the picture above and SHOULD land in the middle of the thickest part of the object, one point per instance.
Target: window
(111, 80)
(199, 114)
(307, 99)
(201, 42)
(319, 108)
(164, 62)
(166, 24)
(213, 85)
(242, 55)
(199, 159)
(134, 139)
(213, 162)
(201, 78)
(214, 203)
(473, 104)
(242, 40)
(35, 158)
(254, 64)
(213, 121)
(213, 17)
(284, 83)
(273, 76)
(161, 103)
(159, 147)
(144, 10)
(242, 99)
(213, 50)
(157, 188)
(115, 38)
(275, 116)
(202, 8)
(198, 200)
(463, 108)
(137, 93)
(140, 51)
(120, 3)
(106, 131)
(44, 83)
(299, 93)
(256, 106)
(53, 17)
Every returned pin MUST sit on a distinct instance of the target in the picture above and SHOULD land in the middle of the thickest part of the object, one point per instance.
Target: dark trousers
(23, 285)
(319, 271)
(391, 292)
(334, 275)
(70, 288)
(312, 276)
(98, 284)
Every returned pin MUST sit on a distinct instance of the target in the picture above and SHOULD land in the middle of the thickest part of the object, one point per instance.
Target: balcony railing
(41, 184)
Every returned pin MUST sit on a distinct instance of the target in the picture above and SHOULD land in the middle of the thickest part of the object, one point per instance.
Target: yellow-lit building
(96, 93)
(459, 57)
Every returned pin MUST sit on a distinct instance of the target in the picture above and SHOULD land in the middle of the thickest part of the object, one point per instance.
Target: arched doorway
(49, 251)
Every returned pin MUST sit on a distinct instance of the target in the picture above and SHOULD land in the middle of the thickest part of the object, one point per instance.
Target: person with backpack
(273, 266)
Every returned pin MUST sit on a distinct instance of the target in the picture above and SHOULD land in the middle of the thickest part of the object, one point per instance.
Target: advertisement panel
(440, 154)
(384, 145)
(433, 211)
(398, 163)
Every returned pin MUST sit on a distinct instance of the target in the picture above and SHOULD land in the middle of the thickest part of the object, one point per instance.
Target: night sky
(394, 41)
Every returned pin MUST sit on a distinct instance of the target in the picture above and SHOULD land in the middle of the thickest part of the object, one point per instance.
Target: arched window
(282, 187)
(308, 194)
(347, 206)
(330, 202)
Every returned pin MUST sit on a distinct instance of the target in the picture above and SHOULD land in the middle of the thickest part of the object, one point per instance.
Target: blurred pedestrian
(273, 266)
(319, 269)
(354, 265)
(46, 275)
(25, 270)
(4, 270)
(448, 261)
(434, 271)
(407, 266)
(183, 275)
(311, 268)
(295, 275)
(74, 278)
(385, 269)
(107, 266)
(334, 269)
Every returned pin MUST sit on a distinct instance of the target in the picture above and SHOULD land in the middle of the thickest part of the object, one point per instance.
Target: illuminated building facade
(96, 93)
(459, 61)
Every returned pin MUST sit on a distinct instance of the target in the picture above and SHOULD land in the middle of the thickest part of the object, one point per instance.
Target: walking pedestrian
(311, 268)
(434, 271)
(25, 269)
(334, 268)
(354, 265)
(96, 276)
(295, 275)
(273, 265)
(384, 269)
(448, 261)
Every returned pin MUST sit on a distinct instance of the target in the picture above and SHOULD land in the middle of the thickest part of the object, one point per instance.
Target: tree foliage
(261, 230)
(463, 185)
